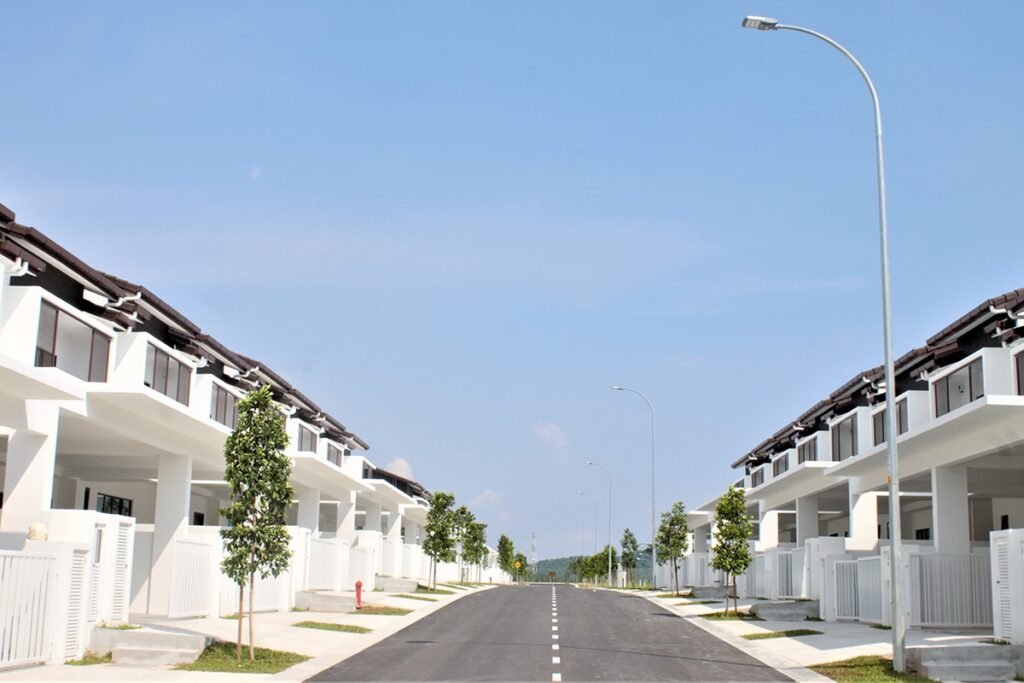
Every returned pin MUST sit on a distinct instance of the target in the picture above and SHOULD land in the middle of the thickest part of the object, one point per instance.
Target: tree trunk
(735, 595)
(241, 609)
(252, 625)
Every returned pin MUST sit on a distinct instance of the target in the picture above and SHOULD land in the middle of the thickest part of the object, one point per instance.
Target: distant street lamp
(584, 493)
(895, 538)
(591, 462)
(654, 514)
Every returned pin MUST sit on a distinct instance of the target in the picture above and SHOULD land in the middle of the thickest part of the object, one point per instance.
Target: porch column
(346, 518)
(412, 532)
(806, 519)
(173, 499)
(372, 517)
(308, 514)
(700, 539)
(950, 518)
(28, 478)
(864, 515)
(769, 525)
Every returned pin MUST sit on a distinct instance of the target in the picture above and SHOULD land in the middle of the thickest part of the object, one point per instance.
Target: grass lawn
(669, 596)
(698, 602)
(867, 669)
(434, 591)
(450, 585)
(90, 658)
(380, 609)
(414, 597)
(119, 627)
(327, 626)
(731, 616)
(791, 633)
(220, 656)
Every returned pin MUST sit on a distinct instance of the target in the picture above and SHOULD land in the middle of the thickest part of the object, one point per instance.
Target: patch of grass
(731, 616)
(813, 619)
(118, 627)
(385, 611)
(434, 591)
(230, 616)
(300, 609)
(90, 658)
(881, 627)
(996, 641)
(698, 602)
(866, 669)
(791, 633)
(327, 626)
(670, 596)
(220, 656)
(448, 585)
(414, 597)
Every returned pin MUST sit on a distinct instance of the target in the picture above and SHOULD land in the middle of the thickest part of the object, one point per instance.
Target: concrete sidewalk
(273, 630)
(839, 640)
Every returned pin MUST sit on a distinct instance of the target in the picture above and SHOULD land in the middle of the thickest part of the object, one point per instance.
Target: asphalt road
(510, 634)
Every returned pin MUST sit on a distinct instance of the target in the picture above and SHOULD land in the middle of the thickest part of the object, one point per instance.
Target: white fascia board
(311, 470)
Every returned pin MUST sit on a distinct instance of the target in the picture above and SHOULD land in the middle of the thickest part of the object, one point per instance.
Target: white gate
(869, 589)
(122, 573)
(787, 574)
(1003, 626)
(76, 604)
(25, 605)
(190, 589)
(846, 590)
(950, 590)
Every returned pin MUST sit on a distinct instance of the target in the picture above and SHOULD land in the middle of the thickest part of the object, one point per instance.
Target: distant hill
(560, 565)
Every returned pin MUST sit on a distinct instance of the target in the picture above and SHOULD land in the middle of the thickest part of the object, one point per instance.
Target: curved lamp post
(591, 462)
(654, 515)
(896, 573)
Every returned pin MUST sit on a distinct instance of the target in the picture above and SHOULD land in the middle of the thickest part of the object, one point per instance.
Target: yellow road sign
(518, 565)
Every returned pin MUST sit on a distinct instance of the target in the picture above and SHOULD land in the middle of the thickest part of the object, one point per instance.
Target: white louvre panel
(94, 593)
(121, 574)
(76, 603)
(847, 604)
(1003, 626)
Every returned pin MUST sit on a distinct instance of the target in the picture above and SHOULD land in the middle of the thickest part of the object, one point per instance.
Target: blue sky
(456, 224)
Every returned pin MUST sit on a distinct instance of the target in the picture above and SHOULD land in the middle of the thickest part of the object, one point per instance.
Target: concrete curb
(758, 651)
(311, 667)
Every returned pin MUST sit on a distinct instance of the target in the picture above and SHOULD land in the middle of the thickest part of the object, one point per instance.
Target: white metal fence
(869, 589)
(951, 590)
(846, 593)
(25, 603)
(190, 590)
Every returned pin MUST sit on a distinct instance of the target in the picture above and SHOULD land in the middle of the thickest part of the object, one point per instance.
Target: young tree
(601, 564)
(630, 549)
(474, 547)
(673, 539)
(462, 519)
(521, 561)
(257, 472)
(439, 541)
(506, 555)
(733, 528)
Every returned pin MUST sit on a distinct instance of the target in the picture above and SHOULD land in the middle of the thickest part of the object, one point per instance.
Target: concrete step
(970, 672)
(107, 640)
(787, 610)
(324, 601)
(965, 653)
(151, 656)
(390, 585)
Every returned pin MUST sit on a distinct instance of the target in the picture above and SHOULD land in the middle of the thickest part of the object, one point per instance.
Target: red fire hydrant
(359, 595)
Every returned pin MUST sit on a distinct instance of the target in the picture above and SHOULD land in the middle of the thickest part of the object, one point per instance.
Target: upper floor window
(1020, 374)
(113, 505)
(780, 465)
(807, 451)
(167, 375)
(844, 439)
(307, 439)
(334, 454)
(959, 388)
(878, 422)
(67, 343)
(757, 478)
(224, 407)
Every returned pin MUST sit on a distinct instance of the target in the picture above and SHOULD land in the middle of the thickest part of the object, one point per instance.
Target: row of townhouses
(114, 410)
(817, 488)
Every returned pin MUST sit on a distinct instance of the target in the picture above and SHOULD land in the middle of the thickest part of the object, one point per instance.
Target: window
(807, 451)
(878, 422)
(334, 454)
(1020, 374)
(113, 505)
(757, 478)
(198, 519)
(307, 439)
(780, 465)
(844, 439)
(85, 499)
(167, 375)
(1004, 522)
(923, 534)
(224, 407)
(65, 342)
(959, 388)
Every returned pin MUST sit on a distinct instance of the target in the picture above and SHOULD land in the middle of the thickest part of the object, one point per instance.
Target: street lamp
(591, 462)
(896, 568)
(584, 493)
(654, 526)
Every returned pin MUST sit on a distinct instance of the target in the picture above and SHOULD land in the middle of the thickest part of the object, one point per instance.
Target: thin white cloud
(255, 171)
(401, 467)
(552, 435)
(485, 498)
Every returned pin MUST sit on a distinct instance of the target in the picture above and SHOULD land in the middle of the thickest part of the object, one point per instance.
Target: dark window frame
(335, 455)
(807, 451)
(837, 443)
(975, 387)
(780, 465)
(113, 505)
(1020, 373)
(47, 356)
(757, 477)
(223, 407)
(307, 440)
(158, 377)
(879, 422)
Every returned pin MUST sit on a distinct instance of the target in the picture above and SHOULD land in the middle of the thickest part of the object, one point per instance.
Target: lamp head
(760, 23)
(590, 462)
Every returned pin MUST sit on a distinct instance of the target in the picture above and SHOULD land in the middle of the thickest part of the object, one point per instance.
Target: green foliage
(593, 567)
(524, 566)
(257, 472)
(506, 554)
(733, 529)
(673, 539)
(439, 544)
(329, 626)
(474, 546)
(630, 550)
(867, 668)
(791, 633)
(381, 610)
(90, 658)
(220, 656)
